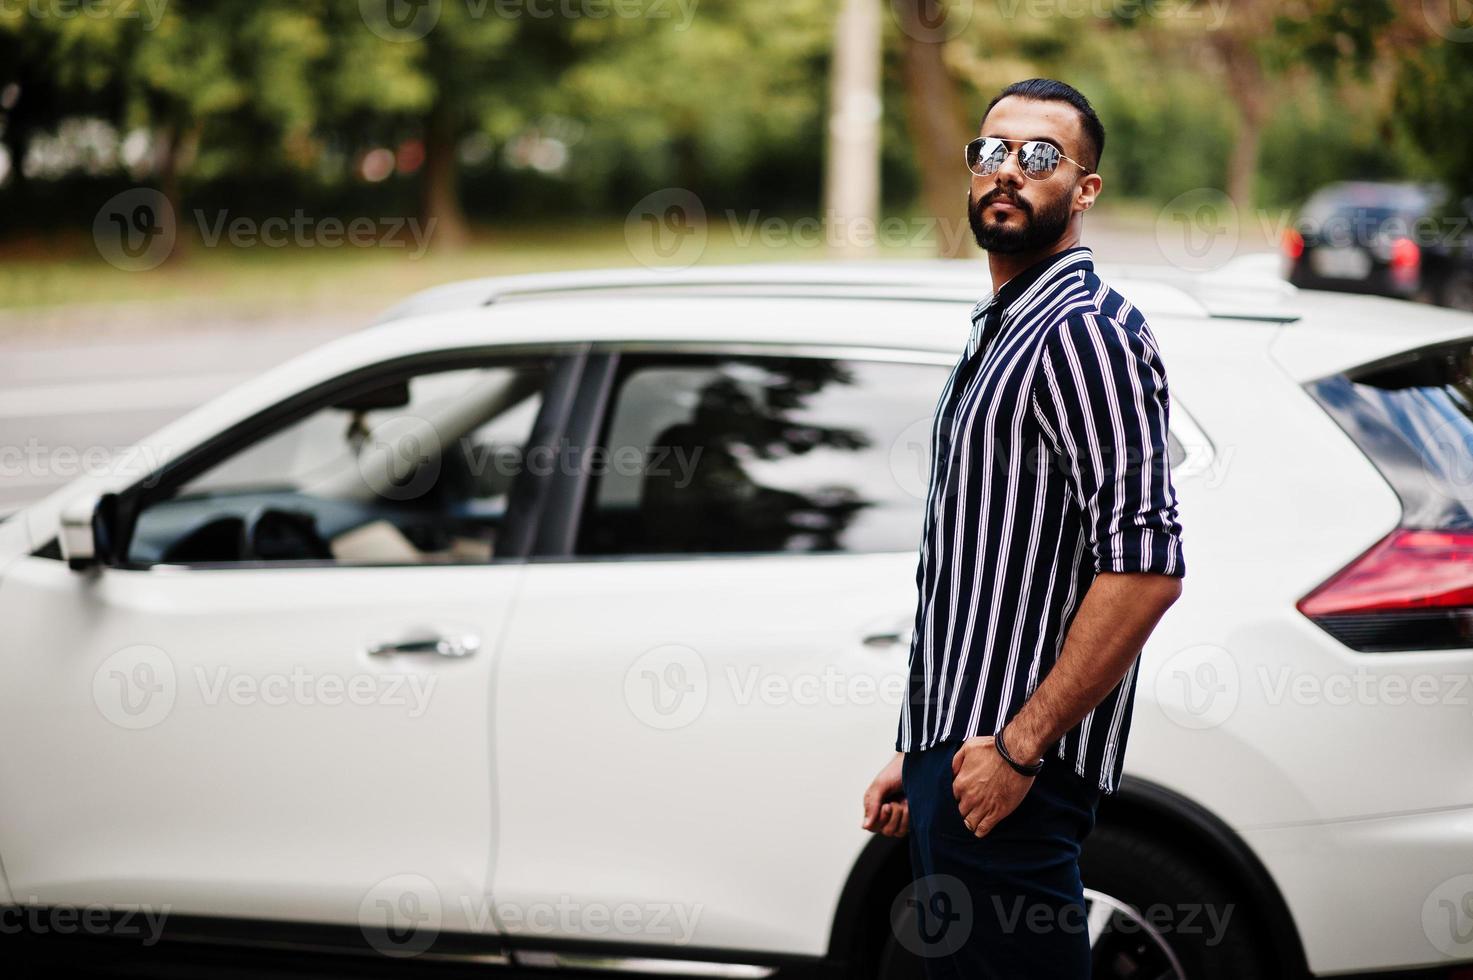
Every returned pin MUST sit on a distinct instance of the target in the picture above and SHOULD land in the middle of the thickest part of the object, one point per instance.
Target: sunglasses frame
(967, 156)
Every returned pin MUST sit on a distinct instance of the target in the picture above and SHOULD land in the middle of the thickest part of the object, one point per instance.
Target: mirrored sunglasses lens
(985, 156)
(1038, 159)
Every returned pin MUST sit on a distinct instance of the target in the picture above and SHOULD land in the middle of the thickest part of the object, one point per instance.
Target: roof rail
(1242, 292)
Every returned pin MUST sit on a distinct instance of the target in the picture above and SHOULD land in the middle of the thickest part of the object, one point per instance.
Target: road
(65, 411)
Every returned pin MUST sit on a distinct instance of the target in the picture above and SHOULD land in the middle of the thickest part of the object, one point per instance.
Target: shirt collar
(1070, 260)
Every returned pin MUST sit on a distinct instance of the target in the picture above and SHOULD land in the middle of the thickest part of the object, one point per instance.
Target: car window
(414, 470)
(762, 454)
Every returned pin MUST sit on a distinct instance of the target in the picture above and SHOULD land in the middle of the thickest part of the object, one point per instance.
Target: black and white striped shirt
(1048, 465)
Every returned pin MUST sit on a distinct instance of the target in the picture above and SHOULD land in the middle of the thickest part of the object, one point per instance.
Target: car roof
(918, 305)
(1163, 290)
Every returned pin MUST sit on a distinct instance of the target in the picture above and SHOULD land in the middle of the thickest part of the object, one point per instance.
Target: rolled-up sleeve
(1101, 399)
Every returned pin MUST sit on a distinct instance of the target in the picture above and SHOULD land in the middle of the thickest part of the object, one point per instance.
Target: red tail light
(1293, 243)
(1406, 261)
(1413, 590)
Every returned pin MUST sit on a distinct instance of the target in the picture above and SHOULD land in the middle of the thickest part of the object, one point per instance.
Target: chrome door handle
(891, 639)
(440, 645)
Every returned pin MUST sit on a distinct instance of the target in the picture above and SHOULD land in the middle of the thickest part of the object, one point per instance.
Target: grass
(40, 277)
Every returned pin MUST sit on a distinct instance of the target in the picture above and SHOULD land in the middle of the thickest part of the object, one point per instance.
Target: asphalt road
(68, 410)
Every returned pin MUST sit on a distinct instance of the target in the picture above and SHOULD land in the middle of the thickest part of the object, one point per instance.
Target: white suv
(562, 621)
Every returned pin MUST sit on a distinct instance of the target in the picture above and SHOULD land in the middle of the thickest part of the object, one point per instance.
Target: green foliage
(1434, 101)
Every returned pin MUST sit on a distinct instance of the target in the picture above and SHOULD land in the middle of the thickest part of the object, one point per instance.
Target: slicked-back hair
(1052, 90)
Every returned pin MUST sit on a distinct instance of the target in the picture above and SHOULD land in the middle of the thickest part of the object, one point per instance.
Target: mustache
(998, 194)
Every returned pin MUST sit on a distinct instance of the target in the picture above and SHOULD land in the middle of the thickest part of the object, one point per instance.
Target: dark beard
(1039, 230)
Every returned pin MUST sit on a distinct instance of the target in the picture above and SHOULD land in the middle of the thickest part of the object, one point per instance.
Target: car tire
(1166, 898)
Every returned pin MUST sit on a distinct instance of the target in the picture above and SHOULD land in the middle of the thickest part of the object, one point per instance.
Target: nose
(1010, 173)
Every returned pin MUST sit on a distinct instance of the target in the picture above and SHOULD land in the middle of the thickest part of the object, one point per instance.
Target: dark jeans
(1009, 905)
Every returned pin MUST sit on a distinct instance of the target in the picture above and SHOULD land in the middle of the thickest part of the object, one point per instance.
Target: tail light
(1406, 262)
(1293, 243)
(1413, 590)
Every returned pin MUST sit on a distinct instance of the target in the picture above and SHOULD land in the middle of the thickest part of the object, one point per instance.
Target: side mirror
(87, 531)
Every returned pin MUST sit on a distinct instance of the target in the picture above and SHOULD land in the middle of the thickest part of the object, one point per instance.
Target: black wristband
(1018, 767)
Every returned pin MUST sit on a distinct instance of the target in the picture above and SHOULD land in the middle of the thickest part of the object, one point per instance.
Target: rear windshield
(1413, 417)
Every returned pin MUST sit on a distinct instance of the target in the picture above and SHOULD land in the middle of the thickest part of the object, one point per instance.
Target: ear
(1086, 191)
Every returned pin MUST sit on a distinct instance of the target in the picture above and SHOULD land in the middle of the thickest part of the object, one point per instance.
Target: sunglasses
(1037, 159)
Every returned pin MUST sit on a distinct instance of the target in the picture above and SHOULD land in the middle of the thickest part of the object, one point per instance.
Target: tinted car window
(1414, 419)
(762, 454)
(412, 471)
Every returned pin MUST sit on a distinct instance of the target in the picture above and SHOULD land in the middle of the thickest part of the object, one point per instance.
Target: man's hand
(986, 788)
(885, 809)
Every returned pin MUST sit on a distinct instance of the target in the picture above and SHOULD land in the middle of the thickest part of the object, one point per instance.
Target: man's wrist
(1021, 744)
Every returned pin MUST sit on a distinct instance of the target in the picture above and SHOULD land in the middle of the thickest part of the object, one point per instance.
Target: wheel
(1154, 912)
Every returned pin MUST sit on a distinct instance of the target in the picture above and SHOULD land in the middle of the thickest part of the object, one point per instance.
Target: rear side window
(1413, 417)
(714, 453)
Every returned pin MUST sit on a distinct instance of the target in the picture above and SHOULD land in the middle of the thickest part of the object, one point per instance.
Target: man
(1050, 550)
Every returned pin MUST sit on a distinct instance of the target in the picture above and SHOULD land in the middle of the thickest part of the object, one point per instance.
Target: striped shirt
(1048, 466)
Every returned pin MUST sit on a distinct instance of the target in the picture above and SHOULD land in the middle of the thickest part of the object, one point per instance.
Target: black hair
(1049, 90)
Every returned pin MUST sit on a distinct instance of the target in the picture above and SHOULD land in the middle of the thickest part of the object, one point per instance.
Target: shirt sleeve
(1101, 399)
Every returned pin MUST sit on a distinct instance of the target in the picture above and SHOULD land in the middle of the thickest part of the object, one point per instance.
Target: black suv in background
(1388, 239)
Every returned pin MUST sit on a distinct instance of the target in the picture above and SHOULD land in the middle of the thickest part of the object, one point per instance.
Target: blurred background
(190, 191)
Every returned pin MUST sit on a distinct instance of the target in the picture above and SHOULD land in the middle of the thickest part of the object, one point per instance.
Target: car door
(274, 703)
(707, 659)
